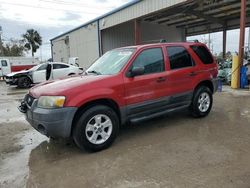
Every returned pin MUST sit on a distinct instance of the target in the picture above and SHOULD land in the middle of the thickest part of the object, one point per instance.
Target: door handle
(192, 74)
(161, 79)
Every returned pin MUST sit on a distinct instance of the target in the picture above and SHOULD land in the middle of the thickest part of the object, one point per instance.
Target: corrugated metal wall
(118, 36)
(152, 32)
(138, 10)
(117, 30)
(123, 34)
(60, 50)
(83, 43)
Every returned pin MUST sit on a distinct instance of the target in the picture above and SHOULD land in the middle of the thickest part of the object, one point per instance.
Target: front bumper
(56, 123)
(10, 81)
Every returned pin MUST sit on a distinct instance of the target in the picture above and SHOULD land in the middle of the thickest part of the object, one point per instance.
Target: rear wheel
(96, 128)
(202, 102)
(24, 82)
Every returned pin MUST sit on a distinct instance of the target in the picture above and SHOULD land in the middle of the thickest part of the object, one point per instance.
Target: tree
(13, 48)
(33, 40)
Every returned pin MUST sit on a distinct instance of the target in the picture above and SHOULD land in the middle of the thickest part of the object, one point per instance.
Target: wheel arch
(102, 101)
(207, 83)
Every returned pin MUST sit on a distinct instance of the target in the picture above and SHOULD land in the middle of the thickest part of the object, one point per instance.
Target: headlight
(51, 101)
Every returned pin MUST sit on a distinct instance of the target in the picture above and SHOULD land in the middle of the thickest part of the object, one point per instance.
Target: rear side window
(59, 66)
(179, 57)
(203, 54)
(4, 63)
(151, 59)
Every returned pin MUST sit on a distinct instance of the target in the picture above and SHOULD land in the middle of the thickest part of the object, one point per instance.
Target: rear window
(203, 54)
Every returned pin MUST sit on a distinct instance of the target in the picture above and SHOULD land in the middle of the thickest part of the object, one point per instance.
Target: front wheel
(202, 102)
(96, 128)
(24, 82)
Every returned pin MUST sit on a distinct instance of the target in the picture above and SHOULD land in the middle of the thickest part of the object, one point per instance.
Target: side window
(4, 63)
(179, 57)
(203, 54)
(42, 67)
(151, 59)
(59, 66)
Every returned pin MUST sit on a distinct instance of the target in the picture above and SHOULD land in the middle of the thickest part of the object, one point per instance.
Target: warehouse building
(147, 21)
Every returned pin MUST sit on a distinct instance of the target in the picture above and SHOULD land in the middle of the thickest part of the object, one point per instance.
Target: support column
(242, 30)
(99, 38)
(242, 34)
(137, 26)
(224, 42)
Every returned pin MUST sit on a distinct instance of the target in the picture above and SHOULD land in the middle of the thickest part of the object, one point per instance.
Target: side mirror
(136, 71)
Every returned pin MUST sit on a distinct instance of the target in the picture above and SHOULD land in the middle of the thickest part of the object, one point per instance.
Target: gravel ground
(175, 150)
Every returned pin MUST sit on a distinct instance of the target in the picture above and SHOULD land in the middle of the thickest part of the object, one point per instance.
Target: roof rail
(154, 41)
(195, 40)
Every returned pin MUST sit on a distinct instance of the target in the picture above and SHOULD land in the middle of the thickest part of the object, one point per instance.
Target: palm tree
(33, 40)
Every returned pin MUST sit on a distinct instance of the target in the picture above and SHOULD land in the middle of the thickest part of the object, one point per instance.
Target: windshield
(111, 62)
(35, 67)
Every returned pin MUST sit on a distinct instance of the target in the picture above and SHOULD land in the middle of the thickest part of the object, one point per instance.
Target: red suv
(127, 84)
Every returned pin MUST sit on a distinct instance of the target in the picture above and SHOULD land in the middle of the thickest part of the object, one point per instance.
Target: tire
(24, 82)
(202, 102)
(90, 129)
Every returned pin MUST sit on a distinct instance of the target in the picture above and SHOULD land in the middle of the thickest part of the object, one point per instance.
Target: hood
(17, 73)
(64, 86)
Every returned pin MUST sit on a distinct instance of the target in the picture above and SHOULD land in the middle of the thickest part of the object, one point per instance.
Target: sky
(232, 45)
(54, 17)
(49, 17)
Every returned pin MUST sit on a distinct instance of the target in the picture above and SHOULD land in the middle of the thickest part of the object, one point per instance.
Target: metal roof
(195, 16)
(198, 17)
(98, 18)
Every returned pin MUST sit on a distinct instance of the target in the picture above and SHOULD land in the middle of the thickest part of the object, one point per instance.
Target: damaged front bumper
(56, 123)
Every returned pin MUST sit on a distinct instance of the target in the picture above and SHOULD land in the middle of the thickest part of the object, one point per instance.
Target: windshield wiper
(94, 72)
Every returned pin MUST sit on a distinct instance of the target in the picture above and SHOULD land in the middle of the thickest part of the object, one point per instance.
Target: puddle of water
(14, 168)
(9, 112)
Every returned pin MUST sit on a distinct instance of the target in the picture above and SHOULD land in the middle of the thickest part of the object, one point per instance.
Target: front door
(143, 92)
(39, 75)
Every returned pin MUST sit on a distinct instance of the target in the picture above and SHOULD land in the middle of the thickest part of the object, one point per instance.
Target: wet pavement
(171, 151)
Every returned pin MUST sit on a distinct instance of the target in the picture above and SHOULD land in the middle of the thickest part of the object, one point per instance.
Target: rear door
(182, 72)
(5, 67)
(60, 70)
(143, 92)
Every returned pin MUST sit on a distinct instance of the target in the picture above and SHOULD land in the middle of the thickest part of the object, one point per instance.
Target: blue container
(243, 77)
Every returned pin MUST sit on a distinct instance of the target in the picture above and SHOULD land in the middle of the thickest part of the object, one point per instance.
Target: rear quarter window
(203, 53)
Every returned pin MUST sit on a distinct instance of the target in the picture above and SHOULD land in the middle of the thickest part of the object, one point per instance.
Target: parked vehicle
(4, 67)
(41, 73)
(14, 64)
(225, 71)
(126, 84)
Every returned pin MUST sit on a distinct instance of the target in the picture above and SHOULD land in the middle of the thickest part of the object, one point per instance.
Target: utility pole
(209, 42)
(248, 49)
(1, 44)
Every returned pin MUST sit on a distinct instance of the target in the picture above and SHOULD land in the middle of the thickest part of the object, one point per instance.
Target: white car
(41, 73)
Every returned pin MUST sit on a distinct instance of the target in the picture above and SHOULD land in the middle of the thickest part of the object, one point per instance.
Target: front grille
(29, 100)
